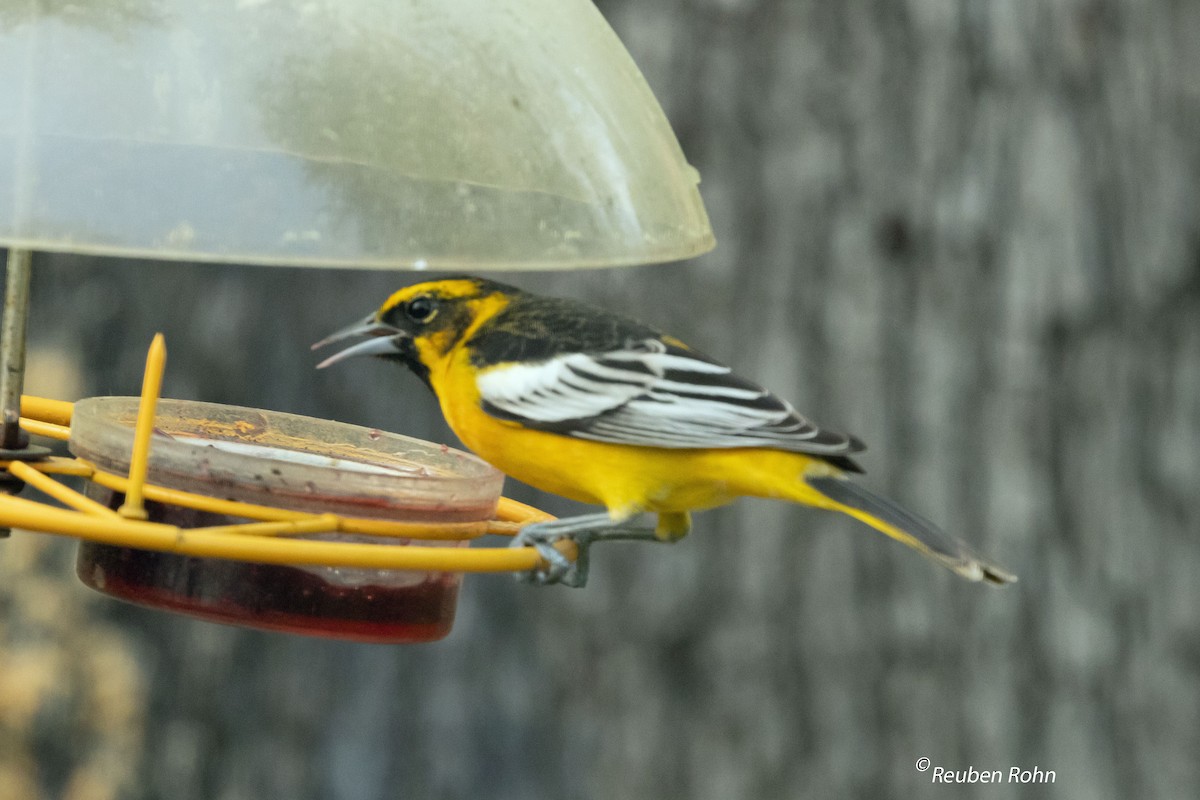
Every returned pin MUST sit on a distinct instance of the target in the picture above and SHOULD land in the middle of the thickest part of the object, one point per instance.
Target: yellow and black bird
(605, 410)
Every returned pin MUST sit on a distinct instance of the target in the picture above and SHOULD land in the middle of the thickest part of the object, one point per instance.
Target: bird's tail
(888, 517)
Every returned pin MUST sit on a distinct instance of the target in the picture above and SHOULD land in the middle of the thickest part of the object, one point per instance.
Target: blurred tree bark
(966, 231)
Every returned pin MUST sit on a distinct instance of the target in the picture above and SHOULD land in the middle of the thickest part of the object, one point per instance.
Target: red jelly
(290, 462)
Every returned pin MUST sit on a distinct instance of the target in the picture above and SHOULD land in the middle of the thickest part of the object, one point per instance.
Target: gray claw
(559, 569)
(582, 530)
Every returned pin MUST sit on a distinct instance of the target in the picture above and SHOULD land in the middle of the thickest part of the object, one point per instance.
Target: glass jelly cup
(295, 463)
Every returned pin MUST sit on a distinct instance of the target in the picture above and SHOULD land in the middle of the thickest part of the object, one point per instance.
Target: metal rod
(12, 345)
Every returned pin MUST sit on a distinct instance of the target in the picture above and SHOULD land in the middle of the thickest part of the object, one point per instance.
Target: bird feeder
(465, 134)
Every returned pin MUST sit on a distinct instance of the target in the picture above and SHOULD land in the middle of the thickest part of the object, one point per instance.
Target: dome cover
(472, 134)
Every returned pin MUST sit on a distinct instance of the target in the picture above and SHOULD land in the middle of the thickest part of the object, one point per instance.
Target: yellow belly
(625, 479)
(622, 478)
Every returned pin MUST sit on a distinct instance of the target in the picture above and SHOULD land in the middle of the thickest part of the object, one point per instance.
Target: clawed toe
(583, 531)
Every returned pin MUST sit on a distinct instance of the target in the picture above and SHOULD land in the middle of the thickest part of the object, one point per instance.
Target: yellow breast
(623, 478)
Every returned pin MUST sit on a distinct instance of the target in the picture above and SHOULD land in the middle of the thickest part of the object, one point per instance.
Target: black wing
(652, 393)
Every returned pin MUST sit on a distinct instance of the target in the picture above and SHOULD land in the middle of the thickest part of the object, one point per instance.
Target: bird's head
(421, 323)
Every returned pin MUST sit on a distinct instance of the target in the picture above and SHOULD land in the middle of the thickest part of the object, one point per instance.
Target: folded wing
(653, 394)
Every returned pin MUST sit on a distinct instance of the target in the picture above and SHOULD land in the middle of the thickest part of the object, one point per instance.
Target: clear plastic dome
(423, 134)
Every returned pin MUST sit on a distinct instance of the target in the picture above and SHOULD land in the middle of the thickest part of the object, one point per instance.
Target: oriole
(605, 410)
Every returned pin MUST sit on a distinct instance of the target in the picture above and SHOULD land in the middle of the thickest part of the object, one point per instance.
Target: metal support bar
(12, 362)
(12, 347)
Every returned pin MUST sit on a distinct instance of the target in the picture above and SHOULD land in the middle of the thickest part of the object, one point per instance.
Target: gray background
(965, 231)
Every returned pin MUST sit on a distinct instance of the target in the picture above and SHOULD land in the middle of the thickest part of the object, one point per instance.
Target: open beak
(384, 341)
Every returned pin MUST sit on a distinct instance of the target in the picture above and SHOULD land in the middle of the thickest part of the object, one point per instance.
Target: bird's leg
(672, 525)
(582, 530)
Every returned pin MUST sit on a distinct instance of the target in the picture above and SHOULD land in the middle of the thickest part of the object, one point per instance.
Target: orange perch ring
(267, 539)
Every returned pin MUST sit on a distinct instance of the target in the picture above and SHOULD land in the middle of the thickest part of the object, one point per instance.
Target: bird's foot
(583, 531)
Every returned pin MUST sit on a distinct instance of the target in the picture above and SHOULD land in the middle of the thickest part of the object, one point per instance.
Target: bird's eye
(421, 308)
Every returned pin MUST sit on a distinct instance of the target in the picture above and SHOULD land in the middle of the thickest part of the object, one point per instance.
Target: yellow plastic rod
(509, 510)
(323, 523)
(57, 465)
(235, 508)
(43, 409)
(29, 515)
(199, 502)
(63, 494)
(48, 429)
(17, 512)
(156, 361)
(511, 516)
